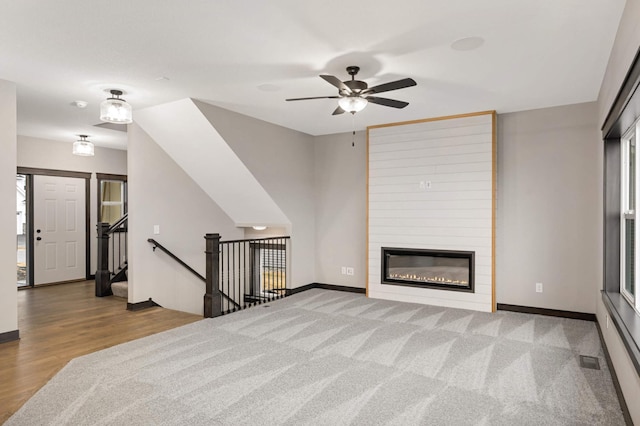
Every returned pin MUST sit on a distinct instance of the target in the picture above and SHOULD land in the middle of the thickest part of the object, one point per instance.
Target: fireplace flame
(438, 280)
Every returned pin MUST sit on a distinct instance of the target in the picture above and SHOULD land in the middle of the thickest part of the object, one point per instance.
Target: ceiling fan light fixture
(83, 147)
(352, 104)
(115, 109)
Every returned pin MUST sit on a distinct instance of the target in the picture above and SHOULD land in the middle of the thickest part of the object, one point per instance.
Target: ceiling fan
(354, 95)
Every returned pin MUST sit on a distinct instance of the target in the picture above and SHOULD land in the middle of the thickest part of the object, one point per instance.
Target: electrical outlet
(538, 287)
(424, 185)
(344, 270)
(350, 271)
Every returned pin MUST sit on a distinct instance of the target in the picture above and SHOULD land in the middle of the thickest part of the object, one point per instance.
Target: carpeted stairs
(120, 289)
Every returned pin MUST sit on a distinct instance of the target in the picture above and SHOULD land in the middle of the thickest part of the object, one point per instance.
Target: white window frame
(626, 212)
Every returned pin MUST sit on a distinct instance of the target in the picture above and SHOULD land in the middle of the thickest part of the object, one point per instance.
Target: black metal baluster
(119, 251)
(222, 249)
(126, 244)
(233, 272)
(228, 269)
(244, 278)
(110, 254)
(244, 274)
(239, 274)
(280, 241)
(271, 267)
(226, 272)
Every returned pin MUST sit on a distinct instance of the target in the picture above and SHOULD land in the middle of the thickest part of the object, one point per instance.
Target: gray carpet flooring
(331, 358)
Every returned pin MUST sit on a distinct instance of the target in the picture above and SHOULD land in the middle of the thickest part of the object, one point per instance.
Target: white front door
(59, 224)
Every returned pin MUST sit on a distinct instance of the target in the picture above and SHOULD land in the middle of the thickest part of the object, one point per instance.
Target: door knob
(39, 238)
(38, 231)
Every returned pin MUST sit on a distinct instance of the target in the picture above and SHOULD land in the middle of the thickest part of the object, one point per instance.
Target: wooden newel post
(103, 276)
(212, 298)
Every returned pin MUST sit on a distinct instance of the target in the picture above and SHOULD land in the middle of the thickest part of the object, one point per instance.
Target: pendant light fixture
(115, 109)
(83, 147)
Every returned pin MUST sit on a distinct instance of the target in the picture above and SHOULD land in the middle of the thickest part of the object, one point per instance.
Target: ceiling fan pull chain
(353, 126)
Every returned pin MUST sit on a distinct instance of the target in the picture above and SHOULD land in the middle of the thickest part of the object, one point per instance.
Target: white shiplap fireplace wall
(431, 185)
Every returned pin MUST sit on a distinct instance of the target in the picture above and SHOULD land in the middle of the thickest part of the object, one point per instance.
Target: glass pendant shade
(352, 104)
(116, 110)
(83, 147)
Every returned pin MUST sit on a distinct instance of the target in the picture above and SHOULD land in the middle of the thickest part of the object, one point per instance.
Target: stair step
(120, 289)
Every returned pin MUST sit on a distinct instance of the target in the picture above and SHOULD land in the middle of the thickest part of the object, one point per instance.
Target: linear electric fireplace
(439, 269)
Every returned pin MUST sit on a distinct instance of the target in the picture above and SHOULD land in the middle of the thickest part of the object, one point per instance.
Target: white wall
(8, 286)
(282, 161)
(199, 149)
(48, 154)
(340, 206)
(624, 49)
(549, 208)
(161, 193)
(452, 212)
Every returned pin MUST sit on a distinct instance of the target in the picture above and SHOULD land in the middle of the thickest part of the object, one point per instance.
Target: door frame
(31, 171)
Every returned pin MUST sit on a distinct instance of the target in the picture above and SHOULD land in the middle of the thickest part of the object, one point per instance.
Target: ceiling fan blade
(314, 97)
(394, 85)
(338, 111)
(335, 81)
(387, 102)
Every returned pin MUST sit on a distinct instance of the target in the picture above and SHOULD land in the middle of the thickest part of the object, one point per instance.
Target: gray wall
(549, 208)
(340, 206)
(47, 154)
(549, 226)
(282, 160)
(624, 49)
(161, 193)
(8, 280)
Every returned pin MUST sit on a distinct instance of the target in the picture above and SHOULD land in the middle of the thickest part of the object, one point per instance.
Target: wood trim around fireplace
(426, 120)
(494, 192)
(494, 142)
(366, 248)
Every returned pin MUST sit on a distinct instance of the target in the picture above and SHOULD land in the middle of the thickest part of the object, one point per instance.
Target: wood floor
(62, 322)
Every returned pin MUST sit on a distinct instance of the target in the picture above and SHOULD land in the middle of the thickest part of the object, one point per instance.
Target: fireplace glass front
(440, 269)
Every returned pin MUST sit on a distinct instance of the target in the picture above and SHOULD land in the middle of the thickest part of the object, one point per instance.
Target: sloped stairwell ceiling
(188, 137)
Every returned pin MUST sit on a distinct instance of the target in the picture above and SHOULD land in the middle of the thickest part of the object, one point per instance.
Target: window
(629, 242)
(112, 197)
(621, 254)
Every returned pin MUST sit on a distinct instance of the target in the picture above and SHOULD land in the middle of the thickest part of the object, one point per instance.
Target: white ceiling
(249, 55)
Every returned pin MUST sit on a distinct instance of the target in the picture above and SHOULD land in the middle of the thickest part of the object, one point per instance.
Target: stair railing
(239, 273)
(252, 271)
(112, 255)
